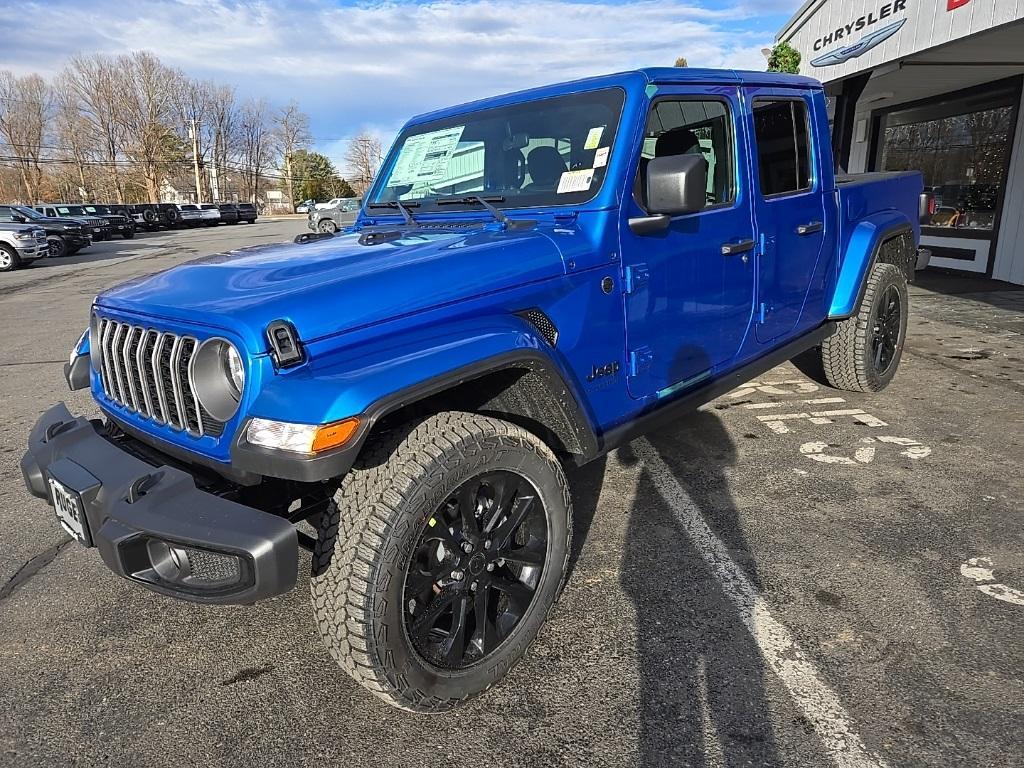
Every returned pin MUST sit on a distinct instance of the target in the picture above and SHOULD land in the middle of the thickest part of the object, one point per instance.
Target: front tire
(327, 225)
(441, 556)
(9, 259)
(865, 351)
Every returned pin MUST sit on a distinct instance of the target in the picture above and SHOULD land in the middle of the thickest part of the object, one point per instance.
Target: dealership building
(931, 85)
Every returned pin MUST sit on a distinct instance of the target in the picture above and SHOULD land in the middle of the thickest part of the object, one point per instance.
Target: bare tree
(26, 107)
(224, 128)
(147, 112)
(195, 102)
(291, 133)
(95, 80)
(362, 158)
(255, 148)
(73, 135)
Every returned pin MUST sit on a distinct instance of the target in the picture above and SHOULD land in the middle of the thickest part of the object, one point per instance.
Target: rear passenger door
(788, 206)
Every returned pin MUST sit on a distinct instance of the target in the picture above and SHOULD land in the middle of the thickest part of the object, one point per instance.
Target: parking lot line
(776, 643)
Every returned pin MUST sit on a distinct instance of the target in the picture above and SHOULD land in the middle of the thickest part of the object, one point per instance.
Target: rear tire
(397, 552)
(864, 352)
(9, 260)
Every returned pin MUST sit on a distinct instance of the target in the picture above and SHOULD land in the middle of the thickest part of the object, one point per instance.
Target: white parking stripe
(777, 645)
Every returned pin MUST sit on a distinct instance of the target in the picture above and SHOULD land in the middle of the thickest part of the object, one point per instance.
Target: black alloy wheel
(475, 570)
(885, 335)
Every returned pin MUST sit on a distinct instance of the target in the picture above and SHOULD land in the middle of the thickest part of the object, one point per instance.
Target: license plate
(70, 512)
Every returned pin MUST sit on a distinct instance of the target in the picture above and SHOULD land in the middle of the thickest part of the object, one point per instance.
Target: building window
(783, 154)
(963, 157)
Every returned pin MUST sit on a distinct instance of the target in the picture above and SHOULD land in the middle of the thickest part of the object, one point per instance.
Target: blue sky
(369, 65)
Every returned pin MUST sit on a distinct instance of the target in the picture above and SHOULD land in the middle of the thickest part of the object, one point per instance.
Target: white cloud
(374, 64)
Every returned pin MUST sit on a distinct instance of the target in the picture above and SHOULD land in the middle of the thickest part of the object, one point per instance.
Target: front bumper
(34, 251)
(137, 513)
(76, 240)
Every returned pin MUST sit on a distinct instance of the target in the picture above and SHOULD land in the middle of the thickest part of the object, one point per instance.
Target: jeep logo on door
(867, 42)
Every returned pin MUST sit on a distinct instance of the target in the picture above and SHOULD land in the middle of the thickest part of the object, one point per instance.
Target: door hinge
(640, 360)
(636, 276)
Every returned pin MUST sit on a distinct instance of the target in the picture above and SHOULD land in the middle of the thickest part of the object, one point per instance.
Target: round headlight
(218, 377)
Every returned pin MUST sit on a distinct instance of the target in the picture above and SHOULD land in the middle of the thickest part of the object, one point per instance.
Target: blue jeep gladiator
(532, 280)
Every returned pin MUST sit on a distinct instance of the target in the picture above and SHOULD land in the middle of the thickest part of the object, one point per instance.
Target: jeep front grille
(147, 371)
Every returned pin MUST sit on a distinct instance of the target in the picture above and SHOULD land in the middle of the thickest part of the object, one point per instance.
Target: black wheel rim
(475, 570)
(885, 335)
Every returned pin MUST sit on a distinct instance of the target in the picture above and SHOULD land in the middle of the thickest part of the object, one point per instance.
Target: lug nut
(467, 547)
(473, 586)
(487, 544)
(457, 575)
(490, 566)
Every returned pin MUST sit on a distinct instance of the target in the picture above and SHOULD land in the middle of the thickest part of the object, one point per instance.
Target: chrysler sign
(867, 41)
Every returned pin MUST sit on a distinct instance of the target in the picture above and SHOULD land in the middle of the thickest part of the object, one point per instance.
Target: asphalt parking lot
(791, 576)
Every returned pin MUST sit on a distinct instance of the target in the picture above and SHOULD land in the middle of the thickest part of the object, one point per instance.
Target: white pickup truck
(21, 244)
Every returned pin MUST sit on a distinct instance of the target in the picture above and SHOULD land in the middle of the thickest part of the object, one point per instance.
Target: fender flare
(518, 350)
(862, 251)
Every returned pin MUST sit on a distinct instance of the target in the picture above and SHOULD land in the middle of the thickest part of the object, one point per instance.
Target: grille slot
(148, 372)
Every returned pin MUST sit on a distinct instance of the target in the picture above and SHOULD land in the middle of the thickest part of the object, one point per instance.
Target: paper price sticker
(575, 181)
(594, 137)
(601, 157)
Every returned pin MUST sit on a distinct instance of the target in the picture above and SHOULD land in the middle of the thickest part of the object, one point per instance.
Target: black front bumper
(153, 525)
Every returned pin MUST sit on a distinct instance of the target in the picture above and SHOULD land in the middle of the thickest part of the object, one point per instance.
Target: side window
(783, 153)
(6, 213)
(691, 126)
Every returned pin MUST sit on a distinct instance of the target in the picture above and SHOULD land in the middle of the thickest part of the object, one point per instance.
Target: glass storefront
(962, 147)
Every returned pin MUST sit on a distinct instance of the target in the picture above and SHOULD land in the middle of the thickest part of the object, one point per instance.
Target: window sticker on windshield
(601, 157)
(594, 137)
(575, 181)
(424, 158)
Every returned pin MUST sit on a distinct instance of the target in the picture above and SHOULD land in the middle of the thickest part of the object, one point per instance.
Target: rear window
(783, 151)
(246, 205)
(188, 207)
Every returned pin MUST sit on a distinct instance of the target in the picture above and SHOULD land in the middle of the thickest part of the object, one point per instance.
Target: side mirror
(18, 218)
(675, 185)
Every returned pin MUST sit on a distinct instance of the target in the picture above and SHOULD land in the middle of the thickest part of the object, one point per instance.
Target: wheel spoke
(485, 634)
(520, 508)
(454, 646)
(467, 499)
(519, 595)
(434, 610)
(499, 484)
(532, 554)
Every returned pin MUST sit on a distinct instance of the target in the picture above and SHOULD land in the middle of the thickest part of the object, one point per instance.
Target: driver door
(689, 291)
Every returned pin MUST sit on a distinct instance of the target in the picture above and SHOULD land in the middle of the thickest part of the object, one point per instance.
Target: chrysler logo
(859, 48)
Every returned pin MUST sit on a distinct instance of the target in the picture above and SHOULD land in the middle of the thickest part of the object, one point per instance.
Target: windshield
(544, 152)
(96, 209)
(28, 213)
(71, 210)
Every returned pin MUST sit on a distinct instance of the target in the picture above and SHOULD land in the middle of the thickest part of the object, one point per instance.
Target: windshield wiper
(498, 215)
(403, 207)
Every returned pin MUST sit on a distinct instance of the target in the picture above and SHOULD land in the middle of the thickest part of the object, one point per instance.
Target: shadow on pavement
(703, 699)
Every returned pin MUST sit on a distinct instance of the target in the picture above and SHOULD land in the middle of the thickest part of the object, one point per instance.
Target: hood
(328, 286)
(61, 220)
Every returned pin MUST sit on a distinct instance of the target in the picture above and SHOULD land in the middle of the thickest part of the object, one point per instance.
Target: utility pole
(195, 159)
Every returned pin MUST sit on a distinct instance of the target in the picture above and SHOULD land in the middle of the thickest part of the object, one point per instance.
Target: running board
(689, 401)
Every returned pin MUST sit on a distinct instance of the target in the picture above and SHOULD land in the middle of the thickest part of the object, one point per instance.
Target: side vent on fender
(542, 323)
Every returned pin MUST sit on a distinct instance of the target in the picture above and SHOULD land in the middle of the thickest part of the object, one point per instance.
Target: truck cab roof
(637, 79)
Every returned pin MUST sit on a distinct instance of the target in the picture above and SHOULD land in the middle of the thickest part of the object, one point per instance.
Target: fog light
(194, 567)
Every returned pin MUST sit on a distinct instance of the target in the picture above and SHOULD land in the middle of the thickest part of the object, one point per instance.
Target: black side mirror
(675, 185)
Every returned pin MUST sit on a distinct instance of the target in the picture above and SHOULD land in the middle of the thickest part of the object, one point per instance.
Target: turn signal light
(333, 435)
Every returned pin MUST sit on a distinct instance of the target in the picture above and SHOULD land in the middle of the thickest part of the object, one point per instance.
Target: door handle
(810, 228)
(740, 246)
